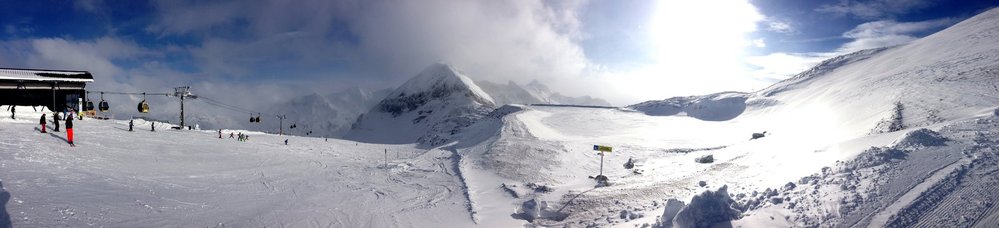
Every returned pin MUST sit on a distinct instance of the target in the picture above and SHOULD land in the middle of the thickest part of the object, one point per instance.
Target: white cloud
(380, 40)
(873, 9)
(759, 43)
(94, 55)
(888, 33)
(778, 25)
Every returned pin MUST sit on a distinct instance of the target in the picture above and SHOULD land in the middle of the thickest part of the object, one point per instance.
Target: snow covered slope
(949, 75)
(180, 178)
(714, 107)
(902, 136)
(429, 109)
(509, 93)
(533, 93)
(329, 115)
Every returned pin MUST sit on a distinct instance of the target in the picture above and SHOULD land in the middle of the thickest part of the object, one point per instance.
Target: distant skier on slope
(152, 126)
(12, 112)
(69, 131)
(231, 135)
(42, 121)
(220, 133)
(285, 142)
(130, 124)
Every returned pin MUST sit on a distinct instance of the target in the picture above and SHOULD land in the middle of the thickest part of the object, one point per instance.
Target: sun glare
(699, 45)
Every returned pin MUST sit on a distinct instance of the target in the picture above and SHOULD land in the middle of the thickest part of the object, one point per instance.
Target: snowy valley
(904, 136)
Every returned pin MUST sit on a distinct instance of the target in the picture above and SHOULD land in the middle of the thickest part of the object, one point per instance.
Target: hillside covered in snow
(905, 136)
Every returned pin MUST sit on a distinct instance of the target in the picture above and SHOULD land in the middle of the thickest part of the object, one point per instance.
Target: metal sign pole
(601, 163)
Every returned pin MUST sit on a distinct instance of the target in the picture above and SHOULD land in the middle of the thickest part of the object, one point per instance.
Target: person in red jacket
(43, 123)
(69, 131)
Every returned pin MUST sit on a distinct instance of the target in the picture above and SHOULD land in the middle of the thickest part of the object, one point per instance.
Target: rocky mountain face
(428, 109)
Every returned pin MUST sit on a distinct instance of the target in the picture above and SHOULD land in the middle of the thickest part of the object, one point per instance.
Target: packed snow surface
(904, 136)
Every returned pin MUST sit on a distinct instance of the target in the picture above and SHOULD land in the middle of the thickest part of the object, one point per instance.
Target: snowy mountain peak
(429, 108)
(443, 79)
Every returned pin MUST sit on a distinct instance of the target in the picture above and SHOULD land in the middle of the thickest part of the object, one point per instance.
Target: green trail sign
(603, 148)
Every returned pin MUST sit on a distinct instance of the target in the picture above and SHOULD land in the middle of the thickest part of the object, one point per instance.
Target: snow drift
(713, 107)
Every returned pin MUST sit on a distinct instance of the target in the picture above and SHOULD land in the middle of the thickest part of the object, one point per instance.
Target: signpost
(602, 149)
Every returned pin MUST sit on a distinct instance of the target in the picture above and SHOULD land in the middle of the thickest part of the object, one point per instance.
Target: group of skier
(55, 120)
(241, 137)
(131, 125)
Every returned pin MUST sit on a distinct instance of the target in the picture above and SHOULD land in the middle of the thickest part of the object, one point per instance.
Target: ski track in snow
(191, 178)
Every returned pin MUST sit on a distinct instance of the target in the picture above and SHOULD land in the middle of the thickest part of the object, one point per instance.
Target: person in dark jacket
(12, 112)
(42, 121)
(220, 133)
(152, 125)
(55, 120)
(130, 124)
(69, 131)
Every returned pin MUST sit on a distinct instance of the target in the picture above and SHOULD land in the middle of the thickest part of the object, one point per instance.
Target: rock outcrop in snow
(428, 109)
(708, 209)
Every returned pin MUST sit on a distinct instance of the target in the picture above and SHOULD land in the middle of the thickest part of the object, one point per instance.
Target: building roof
(45, 75)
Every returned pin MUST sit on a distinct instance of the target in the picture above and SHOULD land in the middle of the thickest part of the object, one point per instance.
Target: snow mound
(708, 209)
(875, 156)
(537, 209)
(921, 138)
(713, 107)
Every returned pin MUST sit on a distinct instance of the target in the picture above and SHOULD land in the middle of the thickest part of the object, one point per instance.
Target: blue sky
(622, 51)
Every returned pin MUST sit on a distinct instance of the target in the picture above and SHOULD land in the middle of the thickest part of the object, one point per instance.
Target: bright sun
(697, 46)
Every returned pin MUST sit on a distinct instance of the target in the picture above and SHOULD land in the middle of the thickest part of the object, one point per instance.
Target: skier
(55, 120)
(12, 112)
(43, 122)
(220, 133)
(231, 135)
(285, 142)
(69, 131)
(152, 126)
(130, 124)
